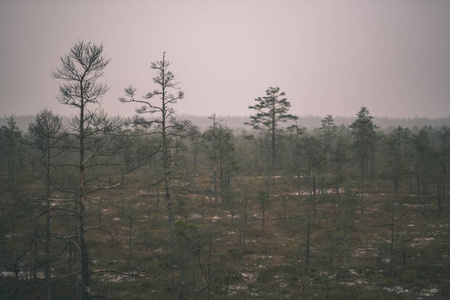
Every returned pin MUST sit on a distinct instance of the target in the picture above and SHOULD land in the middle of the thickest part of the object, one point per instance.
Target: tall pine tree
(271, 111)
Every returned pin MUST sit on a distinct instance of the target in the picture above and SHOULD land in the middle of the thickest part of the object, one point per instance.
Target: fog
(329, 57)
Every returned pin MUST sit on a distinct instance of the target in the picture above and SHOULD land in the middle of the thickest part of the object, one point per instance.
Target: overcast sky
(330, 57)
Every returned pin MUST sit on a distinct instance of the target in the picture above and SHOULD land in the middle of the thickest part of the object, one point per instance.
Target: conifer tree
(80, 70)
(329, 131)
(162, 121)
(270, 111)
(46, 135)
(10, 135)
(363, 130)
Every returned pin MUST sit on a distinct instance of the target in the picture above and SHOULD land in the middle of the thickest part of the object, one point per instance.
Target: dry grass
(350, 255)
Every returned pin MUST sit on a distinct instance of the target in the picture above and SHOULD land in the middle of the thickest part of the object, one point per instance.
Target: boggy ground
(397, 249)
(299, 247)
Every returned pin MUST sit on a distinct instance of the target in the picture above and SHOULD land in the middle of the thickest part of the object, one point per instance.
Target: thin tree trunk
(308, 244)
(47, 274)
(439, 188)
(363, 171)
(47, 255)
(216, 196)
(396, 175)
(338, 192)
(392, 241)
(130, 232)
(274, 154)
(444, 171)
(85, 273)
(166, 153)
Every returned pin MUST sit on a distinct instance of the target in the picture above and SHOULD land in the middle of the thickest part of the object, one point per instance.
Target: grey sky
(330, 57)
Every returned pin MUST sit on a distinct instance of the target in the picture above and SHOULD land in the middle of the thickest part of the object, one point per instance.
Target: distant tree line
(309, 122)
(54, 173)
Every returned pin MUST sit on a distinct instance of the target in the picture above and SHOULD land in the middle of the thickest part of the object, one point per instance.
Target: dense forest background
(309, 122)
(270, 206)
(309, 237)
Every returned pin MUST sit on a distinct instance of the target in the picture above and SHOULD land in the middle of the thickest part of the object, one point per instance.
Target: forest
(157, 207)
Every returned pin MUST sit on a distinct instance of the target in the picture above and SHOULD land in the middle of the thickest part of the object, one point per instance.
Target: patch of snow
(353, 272)
(353, 283)
(248, 276)
(421, 241)
(429, 292)
(396, 289)
(359, 252)
(412, 205)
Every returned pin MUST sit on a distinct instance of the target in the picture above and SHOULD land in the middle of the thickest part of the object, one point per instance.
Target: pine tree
(163, 120)
(363, 130)
(80, 70)
(271, 111)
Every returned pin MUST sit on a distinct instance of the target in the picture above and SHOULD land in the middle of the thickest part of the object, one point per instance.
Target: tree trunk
(47, 269)
(308, 244)
(216, 196)
(396, 175)
(439, 188)
(166, 153)
(444, 172)
(363, 172)
(338, 192)
(274, 153)
(392, 241)
(85, 273)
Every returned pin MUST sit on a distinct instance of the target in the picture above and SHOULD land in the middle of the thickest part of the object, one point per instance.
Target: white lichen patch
(234, 288)
(254, 256)
(353, 272)
(234, 216)
(353, 283)
(429, 292)
(248, 276)
(396, 289)
(421, 241)
(358, 252)
(412, 205)
(117, 278)
(195, 216)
